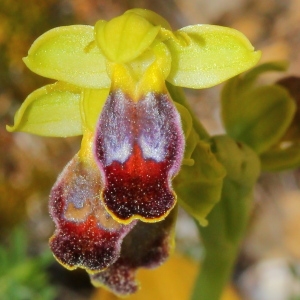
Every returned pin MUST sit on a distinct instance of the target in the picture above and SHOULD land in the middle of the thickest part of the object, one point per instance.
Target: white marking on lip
(153, 139)
(118, 139)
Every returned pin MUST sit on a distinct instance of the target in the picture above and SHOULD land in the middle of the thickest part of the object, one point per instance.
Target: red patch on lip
(138, 186)
(84, 244)
(139, 147)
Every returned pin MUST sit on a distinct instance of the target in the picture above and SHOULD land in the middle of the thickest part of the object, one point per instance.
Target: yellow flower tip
(203, 222)
(188, 162)
(152, 17)
(124, 38)
(25, 60)
(10, 128)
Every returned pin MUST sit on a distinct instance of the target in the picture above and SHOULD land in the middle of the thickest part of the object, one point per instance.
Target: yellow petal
(125, 38)
(92, 103)
(258, 116)
(69, 54)
(53, 110)
(151, 16)
(211, 55)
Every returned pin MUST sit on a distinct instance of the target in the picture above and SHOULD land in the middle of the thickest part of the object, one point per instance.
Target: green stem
(213, 275)
(177, 95)
(221, 239)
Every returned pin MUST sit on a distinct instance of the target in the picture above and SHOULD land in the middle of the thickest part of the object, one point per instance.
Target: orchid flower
(113, 205)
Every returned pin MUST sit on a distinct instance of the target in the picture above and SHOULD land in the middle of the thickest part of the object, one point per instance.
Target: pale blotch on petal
(86, 236)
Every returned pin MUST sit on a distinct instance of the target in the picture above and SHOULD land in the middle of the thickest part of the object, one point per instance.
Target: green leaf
(228, 219)
(19, 245)
(253, 74)
(190, 146)
(178, 95)
(5, 262)
(191, 137)
(258, 116)
(186, 119)
(199, 186)
(279, 159)
(69, 54)
(292, 84)
(23, 277)
(240, 161)
(53, 110)
(210, 55)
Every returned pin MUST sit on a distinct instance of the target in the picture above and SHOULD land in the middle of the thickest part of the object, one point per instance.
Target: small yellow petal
(151, 16)
(125, 38)
(93, 101)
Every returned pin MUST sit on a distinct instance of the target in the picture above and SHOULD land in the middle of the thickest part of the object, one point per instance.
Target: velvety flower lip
(86, 236)
(138, 153)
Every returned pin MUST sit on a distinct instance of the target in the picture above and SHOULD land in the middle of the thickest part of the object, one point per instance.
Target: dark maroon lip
(139, 148)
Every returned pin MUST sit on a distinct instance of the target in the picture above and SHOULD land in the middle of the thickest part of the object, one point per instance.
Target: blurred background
(269, 263)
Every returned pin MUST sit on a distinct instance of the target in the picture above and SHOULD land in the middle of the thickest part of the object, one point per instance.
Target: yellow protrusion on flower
(122, 79)
(85, 153)
(92, 103)
(151, 81)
